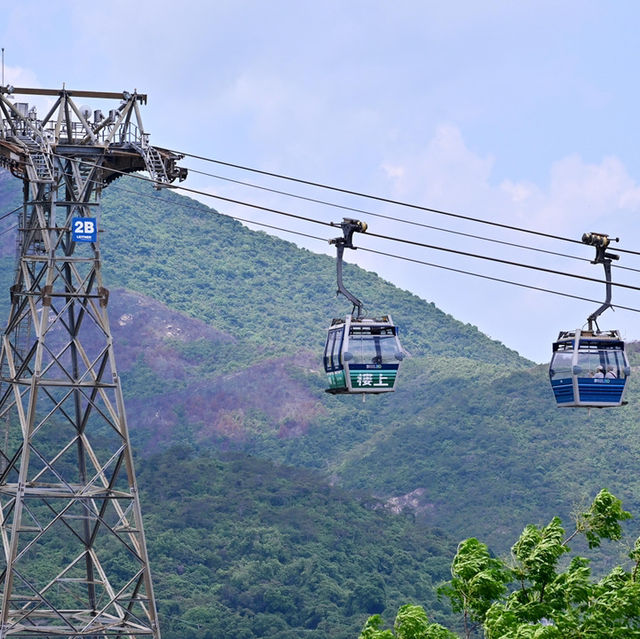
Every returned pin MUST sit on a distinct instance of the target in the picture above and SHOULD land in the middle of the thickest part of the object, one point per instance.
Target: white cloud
(448, 174)
(444, 173)
(594, 189)
(394, 171)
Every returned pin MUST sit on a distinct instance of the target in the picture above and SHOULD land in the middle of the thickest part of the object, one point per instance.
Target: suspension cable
(410, 259)
(396, 219)
(389, 238)
(369, 250)
(377, 198)
(500, 261)
(400, 257)
(354, 193)
(383, 199)
(5, 215)
(494, 279)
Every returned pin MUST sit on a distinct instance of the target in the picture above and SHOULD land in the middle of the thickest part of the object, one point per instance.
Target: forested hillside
(219, 333)
(243, 548)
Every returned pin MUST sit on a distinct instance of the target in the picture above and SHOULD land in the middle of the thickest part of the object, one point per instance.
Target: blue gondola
(361, 354)
(589, 368)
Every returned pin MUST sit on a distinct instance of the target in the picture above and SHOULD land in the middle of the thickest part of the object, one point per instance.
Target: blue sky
(523, 113)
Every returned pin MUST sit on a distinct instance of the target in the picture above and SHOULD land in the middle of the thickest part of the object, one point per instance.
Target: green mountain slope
(491, 454)
(243, 548)
(225, 354)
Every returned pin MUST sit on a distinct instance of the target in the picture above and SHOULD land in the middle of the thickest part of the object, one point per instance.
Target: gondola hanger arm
(349, 227)
(601, 241)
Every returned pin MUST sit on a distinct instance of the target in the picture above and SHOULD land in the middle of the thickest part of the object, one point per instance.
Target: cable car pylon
(67, 477)
(362, 355)
(589, 368)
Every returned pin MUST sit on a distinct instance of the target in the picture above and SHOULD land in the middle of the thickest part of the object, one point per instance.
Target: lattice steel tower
(74, 560)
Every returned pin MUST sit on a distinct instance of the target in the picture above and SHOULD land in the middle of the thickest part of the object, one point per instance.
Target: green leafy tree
(528, 596)
(411, 623)
(477, 579)
(547, 603)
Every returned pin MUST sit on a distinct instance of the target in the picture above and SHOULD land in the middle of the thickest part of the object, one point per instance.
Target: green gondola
(361, 354)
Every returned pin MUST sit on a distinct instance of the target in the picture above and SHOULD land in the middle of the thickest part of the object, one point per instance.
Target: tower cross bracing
(74, 560)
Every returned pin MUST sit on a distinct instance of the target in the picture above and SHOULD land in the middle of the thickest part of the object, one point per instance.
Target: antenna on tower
(2, 66)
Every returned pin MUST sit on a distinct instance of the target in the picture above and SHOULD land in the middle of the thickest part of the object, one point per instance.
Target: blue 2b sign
(84, 229)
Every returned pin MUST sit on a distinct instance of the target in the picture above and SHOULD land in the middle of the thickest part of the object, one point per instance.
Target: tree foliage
(411, 623)
(530, 595)
(477, 579)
